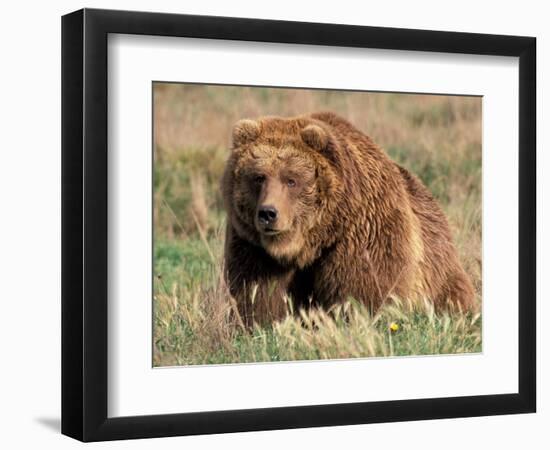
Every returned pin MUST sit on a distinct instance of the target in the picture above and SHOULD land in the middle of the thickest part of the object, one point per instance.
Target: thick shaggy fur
(355, 224)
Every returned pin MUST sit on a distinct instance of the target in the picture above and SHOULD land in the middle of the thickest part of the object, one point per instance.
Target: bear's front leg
(258, 283)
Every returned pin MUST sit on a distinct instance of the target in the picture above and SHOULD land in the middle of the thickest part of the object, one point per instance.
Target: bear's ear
(245, 131)
(315, 137)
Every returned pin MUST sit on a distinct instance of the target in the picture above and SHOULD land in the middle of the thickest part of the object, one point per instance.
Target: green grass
(194, 324)
(438, 138)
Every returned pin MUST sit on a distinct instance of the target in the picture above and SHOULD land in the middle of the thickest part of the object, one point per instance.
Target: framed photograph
(273, 224)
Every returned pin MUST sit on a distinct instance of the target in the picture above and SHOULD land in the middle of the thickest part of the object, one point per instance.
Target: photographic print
(312, 224)
(305, 224)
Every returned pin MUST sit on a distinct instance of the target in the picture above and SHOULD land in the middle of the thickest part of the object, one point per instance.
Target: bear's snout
(267, 215)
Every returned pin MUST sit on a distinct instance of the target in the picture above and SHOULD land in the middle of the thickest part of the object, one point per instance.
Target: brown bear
(318, 213)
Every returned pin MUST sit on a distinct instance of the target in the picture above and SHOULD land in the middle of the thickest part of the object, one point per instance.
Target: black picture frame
(84, 224)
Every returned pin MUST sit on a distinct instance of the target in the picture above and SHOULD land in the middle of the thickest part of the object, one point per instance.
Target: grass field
(436, 137)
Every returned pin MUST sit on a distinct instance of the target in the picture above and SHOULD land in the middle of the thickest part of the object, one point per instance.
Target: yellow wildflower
(394, 326)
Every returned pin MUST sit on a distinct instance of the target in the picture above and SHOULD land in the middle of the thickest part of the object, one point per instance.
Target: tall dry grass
(436, 137)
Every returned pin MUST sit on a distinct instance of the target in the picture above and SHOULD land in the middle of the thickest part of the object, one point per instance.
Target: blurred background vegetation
(436, 137)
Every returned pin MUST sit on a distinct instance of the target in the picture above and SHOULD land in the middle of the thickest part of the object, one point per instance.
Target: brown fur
(351, 222)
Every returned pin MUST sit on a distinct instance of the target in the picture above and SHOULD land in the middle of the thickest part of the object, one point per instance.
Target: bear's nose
(267, 215)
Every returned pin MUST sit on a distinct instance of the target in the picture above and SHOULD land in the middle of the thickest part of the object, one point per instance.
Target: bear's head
(278, 184)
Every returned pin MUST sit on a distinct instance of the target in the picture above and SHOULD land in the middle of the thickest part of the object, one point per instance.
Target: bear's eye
(290, 182)
(259, 179)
